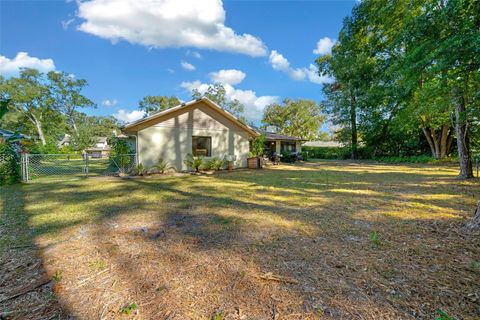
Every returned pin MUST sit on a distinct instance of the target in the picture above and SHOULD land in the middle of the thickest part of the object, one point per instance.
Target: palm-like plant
(193, 162)
(216, 164)
(161, 166)
(139, 170)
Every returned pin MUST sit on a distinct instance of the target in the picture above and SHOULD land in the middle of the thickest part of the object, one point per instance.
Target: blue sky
(129, 49)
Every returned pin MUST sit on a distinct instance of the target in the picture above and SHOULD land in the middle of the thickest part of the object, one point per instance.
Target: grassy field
(323, 240)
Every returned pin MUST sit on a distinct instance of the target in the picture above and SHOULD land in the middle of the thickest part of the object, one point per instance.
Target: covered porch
(278, 144)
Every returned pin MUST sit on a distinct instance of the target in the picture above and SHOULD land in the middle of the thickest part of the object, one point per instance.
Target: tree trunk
(429, 140)
(353, 119)
(463, 143)
(449, 143)
(475, 222)
(75, 129)
(440, 148)
(38, 126)
(444, 141)
(435, 143)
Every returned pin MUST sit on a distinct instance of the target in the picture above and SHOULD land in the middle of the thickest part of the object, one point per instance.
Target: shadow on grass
(26, 289)
(325, 245)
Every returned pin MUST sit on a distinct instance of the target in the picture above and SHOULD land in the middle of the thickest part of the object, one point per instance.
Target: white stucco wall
(171, 139)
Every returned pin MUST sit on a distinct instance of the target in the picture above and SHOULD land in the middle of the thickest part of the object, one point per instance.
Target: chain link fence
(34, 166)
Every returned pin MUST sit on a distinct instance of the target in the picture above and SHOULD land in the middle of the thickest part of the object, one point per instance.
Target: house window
(202, 146)
(288, 147)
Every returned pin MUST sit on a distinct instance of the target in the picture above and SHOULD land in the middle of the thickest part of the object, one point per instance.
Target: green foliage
(120, 146)
(3, 107)
(305, 155)
(9, 169)
(299, 118)
(374, 238)
(288, 157)
(215, 164)
(49, 148)
(139, 170)
(65, 96)
(442, 315)
(218, 316)
(193, 162)
(83, 138)
(120, 154)
(45, 107)
(161, 166)
(129, 308)
(154, 104)
(217, 94)
(338, 153)
(258, 146)
(405, 74)
(57, 276)
(413, 159)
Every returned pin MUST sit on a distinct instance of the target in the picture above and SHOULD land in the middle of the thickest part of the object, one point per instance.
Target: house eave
(134, 126)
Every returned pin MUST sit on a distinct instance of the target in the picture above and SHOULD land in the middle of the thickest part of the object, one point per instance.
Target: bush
(327, 152)
(161, 166)
(9, 170)
(413, 159)
(258, 146)
(193, 162)
(49, 148)
(215, 164)
(305, 155)
(120, 155)
(288, 157)
(139, 170)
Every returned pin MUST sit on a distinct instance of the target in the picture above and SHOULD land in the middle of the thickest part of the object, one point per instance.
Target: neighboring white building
(323, 144)
(98, 150)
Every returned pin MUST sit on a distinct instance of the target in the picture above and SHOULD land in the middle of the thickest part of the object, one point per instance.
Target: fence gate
(36, 166)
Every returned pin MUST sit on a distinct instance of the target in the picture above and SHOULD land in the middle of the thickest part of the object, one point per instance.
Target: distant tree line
(407, 79)
(47, 106)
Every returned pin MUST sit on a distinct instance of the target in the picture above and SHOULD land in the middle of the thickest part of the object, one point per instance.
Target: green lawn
(330, 239)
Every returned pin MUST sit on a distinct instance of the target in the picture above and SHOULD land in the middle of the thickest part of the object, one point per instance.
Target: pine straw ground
(286, 242)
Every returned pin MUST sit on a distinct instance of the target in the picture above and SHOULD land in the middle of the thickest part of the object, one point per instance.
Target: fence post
(22, 165)
(86, 164)
(26, 167)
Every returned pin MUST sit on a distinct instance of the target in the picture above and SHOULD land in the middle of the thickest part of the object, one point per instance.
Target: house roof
(12, 135)
(275, 136)
(323, 144)
(132, 125)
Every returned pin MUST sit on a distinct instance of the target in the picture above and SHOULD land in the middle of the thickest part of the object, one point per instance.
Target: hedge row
(342, 153)
(9, 169)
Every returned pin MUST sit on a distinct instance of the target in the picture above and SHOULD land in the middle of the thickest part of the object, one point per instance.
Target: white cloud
(187, 66)
(129, 116)
(166, 23)
(109, 103)
(194, 54)
(11, 67)
(190, 86)
(170, 70)
(66, 23)
(229, 76)
(280, 63)
(324, 46)
(254, 105)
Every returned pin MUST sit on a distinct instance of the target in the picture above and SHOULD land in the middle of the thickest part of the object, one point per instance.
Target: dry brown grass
(287, 242)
